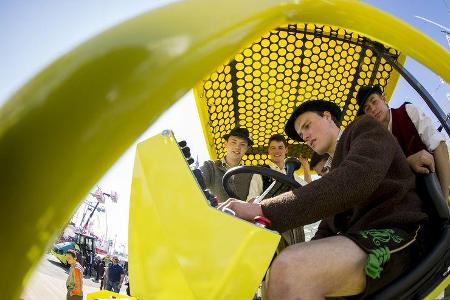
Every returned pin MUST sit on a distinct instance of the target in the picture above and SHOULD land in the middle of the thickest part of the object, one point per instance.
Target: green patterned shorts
(390, 253)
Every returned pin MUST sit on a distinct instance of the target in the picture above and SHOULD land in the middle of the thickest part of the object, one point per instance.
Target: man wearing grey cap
(373, 227)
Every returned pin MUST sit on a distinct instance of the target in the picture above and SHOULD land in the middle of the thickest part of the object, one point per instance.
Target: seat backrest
(432, 269)
(429, 188)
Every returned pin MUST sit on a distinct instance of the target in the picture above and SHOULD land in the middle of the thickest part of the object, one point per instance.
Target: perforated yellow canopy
(259, 87)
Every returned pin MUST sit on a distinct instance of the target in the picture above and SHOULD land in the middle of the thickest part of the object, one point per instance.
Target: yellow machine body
(180, 246)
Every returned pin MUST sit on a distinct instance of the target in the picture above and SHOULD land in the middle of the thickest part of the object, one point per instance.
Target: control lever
(209, 196)
(291, 164)
(262, 222)
(263, 195)
(197, 174)
(186, 152)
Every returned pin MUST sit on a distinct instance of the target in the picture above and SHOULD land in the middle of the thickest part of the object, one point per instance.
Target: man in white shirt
(423, 145)
(277, 150)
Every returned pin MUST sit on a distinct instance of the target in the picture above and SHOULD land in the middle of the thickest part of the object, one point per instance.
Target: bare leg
(332, 266)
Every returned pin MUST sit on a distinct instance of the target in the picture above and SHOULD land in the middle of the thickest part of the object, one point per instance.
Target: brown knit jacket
(370, 185)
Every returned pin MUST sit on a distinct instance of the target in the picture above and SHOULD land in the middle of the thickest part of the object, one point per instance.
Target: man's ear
(327, 115)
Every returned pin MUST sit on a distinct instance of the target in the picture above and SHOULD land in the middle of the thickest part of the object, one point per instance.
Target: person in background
(95, 267)
(319, 163)
(106, 261)
(306, 168)
(277, 150)
(127, 282)
(237, 143)
(100, 272)
(89, 264)
(115, 276)
(424, 147)
(74, 282)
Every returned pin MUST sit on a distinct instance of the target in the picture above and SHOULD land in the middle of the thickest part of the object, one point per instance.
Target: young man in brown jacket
(373, 223)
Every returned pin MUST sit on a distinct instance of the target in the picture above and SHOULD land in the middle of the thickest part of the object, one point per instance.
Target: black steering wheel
(291, 163)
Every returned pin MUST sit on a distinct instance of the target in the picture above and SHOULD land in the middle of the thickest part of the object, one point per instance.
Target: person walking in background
(89, 264)
(115, 276)
(106, 263)
(74, 281)
(100, 271)
(127, 282)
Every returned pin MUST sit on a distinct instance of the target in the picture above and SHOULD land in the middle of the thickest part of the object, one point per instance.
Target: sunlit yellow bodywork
(104, 294)
(180, 247)
(63, 129)
(434, 294)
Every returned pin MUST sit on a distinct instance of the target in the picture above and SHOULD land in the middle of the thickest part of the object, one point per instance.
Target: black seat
(429, 272)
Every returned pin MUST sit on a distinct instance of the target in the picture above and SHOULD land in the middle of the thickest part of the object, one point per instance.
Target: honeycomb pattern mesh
(259, 88)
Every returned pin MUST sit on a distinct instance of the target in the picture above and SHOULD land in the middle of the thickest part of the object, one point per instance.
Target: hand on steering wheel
(279, 177)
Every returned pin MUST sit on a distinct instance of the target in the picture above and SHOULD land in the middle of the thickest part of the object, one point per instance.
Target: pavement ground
(48, 282)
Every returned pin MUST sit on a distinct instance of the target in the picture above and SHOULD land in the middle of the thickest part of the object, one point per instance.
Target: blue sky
(34, 33)
(434, 10)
